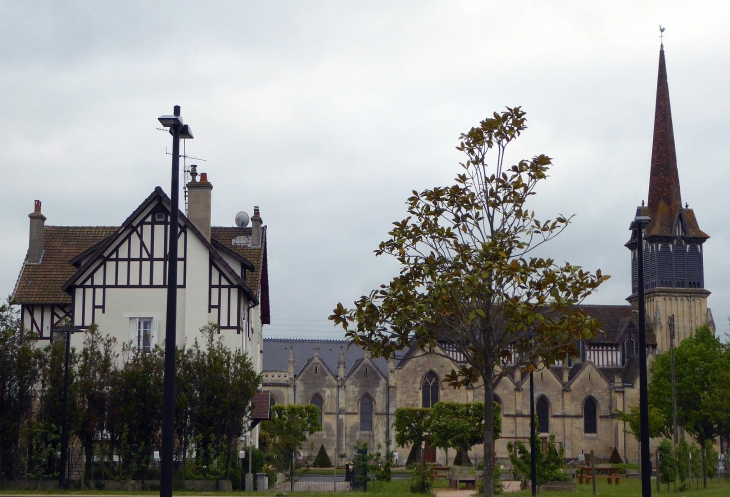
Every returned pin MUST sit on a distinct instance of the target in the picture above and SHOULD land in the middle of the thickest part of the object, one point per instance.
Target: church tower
(673, 241)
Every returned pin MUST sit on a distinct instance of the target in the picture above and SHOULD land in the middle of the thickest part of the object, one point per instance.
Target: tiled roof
(41, 283)
(276, 354)
(44, 283)
(256, 255)
(664, 179)
(613, 321)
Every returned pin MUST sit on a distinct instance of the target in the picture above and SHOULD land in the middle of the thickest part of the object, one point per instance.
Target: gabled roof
(159, 196)
(41, 283)
(276, 354)
(258, 278)
(613, 319)
(69, 251)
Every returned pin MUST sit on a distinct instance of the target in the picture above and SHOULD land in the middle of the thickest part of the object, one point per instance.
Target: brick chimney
(35, 244)
(256, 227)
(199, 203)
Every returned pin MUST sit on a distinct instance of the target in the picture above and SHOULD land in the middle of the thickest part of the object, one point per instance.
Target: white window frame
(135, 321)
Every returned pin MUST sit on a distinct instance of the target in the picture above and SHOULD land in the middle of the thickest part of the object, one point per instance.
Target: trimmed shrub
(615, 457)
(322, 460)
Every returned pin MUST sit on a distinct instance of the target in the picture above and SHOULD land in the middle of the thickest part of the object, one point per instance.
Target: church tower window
(430, 390)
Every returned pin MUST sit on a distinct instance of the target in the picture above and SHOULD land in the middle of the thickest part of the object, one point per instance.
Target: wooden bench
(440, 472)
(470, 481)
(604, 472)
(610, 478)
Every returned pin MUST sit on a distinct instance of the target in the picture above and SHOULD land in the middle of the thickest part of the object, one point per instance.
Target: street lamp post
(638, 227)
(63, 473)
(533, 438)
(674, 383)
(533, 435)
(178, 130)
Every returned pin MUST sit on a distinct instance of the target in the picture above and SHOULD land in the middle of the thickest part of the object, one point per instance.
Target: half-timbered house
(116, 276)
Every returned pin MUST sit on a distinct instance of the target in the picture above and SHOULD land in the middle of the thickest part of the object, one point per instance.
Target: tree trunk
(704, 465)
(488, 433)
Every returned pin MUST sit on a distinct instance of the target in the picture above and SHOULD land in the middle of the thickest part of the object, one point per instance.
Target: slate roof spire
(664, 178)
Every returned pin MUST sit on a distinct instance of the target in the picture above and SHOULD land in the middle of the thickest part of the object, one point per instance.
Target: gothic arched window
(430, 390)
(590, 413)
(319, 403)
(542, 409)
(366, 414)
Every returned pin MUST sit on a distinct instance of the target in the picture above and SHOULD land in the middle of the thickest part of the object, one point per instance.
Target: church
(577, 400)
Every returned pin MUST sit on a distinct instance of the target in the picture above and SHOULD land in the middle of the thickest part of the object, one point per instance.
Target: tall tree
(224, 382)
(283, 435)
(411, 427)
(94, 377)
(460, 426)
(697, 363)
(135, 413)
(19, 372)
(470, 279)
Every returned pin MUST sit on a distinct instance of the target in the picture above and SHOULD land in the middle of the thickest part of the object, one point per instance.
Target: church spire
(664, 178)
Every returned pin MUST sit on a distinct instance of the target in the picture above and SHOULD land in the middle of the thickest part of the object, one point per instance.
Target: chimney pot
(37, 227)
(256, 227)
(199, 201)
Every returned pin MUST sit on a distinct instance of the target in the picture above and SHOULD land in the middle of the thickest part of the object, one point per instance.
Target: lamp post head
(170, 121)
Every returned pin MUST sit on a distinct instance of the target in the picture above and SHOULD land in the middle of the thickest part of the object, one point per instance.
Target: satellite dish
(242, 219)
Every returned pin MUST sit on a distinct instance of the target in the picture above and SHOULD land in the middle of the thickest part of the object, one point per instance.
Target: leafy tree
(682, 452)
(224, 382)
(667, 462)
(286, 431)
(550, 464)
(411, 427)
(469, 278)
(135, 412)
(50, 412)
(712, 458)
(19, 372)
(460, 426)
(657, 422)
(696, 361)
(94, 377)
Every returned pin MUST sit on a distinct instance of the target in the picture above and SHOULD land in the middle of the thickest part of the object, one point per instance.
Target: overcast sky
(328, 114)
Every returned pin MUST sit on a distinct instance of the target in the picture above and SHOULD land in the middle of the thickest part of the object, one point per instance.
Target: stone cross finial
(341, 358)
(316, 351)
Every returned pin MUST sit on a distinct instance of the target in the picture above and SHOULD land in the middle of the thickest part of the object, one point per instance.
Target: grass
(629, 487)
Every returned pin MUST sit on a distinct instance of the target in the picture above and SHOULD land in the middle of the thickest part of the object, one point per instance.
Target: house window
(366, 414)
(143, 333)
(543, 415)
(430, 390)
(319, 403)
(589, 417)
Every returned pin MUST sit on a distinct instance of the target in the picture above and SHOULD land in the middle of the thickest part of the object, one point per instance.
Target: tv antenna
(186, 169)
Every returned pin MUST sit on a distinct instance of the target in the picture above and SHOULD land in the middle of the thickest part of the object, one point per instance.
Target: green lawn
(628, 488)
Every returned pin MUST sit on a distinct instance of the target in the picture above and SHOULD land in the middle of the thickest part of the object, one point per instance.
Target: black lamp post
(63, 472)
(638, 227)
(177, 130)
(533, 435)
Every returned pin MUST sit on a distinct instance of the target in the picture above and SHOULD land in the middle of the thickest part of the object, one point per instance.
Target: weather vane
(661, 34)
